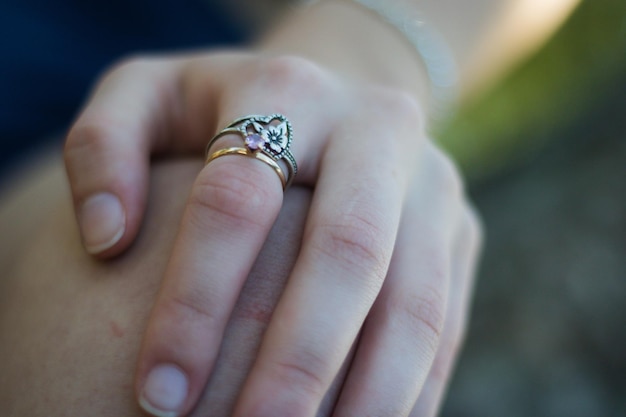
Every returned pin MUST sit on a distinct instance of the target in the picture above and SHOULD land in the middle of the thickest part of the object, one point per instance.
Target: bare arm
(486, 38)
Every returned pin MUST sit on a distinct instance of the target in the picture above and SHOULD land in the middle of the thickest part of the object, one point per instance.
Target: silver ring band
(270, 136)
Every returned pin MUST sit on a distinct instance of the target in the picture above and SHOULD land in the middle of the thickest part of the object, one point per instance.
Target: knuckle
(301, 373)
(86, 139)
(92, 159)
(425, 316)
(400, 107)
(293, 69)
(293, 79)
(354, 240)
(229, 192)
(191, 305)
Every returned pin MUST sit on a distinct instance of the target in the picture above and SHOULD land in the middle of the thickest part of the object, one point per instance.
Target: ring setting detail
(266, 138)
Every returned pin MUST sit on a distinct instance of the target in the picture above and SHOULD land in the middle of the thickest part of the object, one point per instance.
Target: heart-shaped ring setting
(270, 136)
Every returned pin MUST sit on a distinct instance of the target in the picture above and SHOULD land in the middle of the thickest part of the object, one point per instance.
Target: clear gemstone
(254, 141)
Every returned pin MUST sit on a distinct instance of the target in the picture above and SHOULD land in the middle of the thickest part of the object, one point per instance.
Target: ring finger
(231, 209)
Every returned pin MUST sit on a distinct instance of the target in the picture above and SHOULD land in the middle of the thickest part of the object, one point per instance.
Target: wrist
(354, 42)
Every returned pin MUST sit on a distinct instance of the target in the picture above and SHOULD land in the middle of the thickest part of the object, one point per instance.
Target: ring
(266, 138)
(258, 155)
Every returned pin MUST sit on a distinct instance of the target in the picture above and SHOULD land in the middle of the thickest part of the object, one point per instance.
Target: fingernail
(102, 220)
(164, 392)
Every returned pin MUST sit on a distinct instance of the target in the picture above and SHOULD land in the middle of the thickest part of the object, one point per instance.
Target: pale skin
(388, 245)
(373, 337)
(347, 269)
(71, 327)
(361, 143)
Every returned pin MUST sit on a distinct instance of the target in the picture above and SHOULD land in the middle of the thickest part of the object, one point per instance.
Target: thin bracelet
(430, 45)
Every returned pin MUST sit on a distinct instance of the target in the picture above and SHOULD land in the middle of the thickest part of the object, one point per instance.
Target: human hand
(389, 236)
(71, 328)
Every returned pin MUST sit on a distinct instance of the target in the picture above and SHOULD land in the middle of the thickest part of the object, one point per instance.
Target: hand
(388, 248)
(71, 328)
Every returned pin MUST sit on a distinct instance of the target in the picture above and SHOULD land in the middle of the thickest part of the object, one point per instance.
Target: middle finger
(347, 248)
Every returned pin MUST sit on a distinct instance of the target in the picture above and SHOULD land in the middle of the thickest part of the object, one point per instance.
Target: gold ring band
(246, 152)
(267, 138)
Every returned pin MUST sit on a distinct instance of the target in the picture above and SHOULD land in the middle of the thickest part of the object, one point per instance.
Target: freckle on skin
(116, 329)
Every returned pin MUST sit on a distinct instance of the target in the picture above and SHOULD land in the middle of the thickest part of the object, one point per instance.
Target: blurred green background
(545, 152)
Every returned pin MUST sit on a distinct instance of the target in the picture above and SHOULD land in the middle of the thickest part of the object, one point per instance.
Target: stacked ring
(258, 155)
(266, 138)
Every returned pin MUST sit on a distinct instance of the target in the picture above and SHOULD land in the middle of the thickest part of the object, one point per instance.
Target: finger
(108, 148)
(348, 243)
(139, 108)
(402, 332)
(255, 304)
(231, 209)
(310, 96)
(222, 230)
(465, 256)
(253, 310)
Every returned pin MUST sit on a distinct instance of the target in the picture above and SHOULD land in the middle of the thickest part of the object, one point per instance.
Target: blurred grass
(582, 65)
(546, 338)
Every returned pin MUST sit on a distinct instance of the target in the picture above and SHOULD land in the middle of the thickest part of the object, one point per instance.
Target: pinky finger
(466, 249)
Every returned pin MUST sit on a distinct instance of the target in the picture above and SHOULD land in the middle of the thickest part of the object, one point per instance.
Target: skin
(371, 214)
(71, 327)
(392, 272)
(383, 194)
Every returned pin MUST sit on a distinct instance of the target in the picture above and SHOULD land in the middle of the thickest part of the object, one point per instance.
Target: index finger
(140, 107)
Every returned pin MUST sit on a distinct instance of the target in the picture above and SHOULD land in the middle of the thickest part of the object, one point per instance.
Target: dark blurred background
(545, 150)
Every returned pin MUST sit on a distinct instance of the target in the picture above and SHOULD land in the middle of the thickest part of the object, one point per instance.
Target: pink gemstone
(254, 141)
